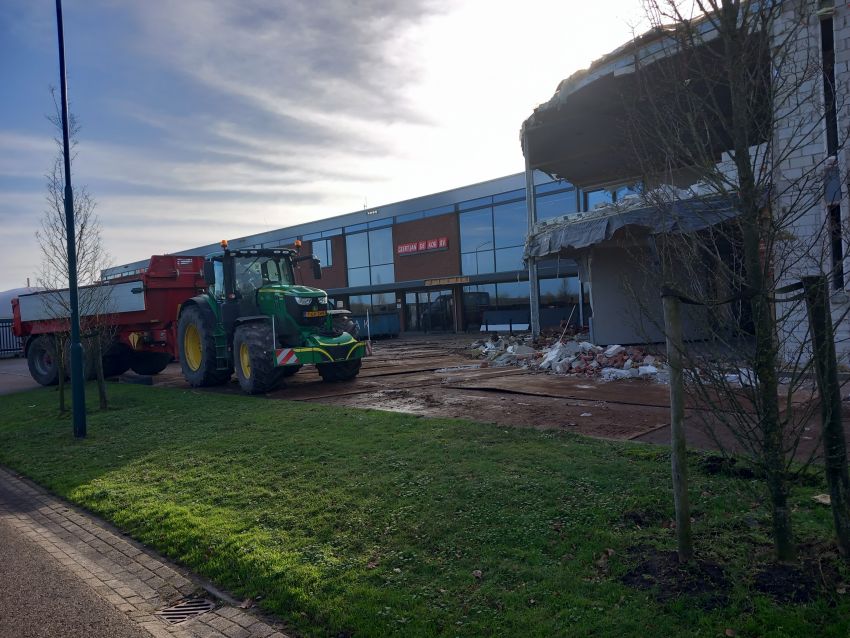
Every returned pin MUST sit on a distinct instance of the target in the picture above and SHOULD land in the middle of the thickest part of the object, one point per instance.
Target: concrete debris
(558, 353)
(613, 351)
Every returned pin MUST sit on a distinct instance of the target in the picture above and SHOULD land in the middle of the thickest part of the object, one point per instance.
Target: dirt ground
(434, 376)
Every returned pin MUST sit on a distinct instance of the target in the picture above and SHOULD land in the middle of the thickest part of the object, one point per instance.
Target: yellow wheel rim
(192, 350)
(245, 360)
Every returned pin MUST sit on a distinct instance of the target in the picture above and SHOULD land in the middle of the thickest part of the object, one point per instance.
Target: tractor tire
(150, 362)
(196, 344)
(117, 360)
(339, 371)
(42, 360)
(253, 358)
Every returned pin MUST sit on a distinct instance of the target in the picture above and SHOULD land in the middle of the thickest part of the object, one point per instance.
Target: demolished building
(581, 135)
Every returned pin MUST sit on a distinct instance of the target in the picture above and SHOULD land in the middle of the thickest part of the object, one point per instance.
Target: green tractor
(256, 321)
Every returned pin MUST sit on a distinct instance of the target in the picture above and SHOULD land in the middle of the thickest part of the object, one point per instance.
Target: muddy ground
(435, 376)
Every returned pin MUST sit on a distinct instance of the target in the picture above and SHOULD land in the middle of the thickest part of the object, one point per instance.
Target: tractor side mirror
(209, 273)
(317, 268)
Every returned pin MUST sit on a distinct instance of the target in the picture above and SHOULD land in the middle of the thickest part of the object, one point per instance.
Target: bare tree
(94, 300)
(729, 115)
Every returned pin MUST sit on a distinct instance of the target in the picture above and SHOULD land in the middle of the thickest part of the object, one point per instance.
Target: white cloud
(305, 110)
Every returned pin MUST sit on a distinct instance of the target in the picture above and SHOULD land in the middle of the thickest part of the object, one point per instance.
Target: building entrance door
(430, 311)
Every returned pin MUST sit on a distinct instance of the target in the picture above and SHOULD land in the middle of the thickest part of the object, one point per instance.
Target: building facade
(445, 262)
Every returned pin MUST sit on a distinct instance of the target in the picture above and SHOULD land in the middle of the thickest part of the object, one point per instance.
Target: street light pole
(78, 390)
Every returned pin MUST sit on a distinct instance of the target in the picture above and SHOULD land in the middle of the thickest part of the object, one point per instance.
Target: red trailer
(140, 310)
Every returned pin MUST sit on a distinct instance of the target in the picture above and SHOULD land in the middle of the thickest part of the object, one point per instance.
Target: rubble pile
(571, 355)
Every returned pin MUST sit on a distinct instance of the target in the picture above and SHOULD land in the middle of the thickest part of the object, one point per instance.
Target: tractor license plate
(316, 313)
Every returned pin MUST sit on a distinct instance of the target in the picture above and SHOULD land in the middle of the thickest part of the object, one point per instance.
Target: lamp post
(78, 394)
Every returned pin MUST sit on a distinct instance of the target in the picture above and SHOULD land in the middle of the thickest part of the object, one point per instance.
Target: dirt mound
(668, 579)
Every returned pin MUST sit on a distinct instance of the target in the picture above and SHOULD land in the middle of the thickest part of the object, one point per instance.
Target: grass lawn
(366, 523)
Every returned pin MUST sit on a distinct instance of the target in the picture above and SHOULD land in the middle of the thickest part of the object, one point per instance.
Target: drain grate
(186, 610)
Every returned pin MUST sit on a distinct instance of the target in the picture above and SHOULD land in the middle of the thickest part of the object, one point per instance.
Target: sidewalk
(67, 573)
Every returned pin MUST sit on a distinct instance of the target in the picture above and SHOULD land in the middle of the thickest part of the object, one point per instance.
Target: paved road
(64, 573)
(15, 377)
(38, 597)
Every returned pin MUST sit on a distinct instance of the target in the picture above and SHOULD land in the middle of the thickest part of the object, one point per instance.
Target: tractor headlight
(323, 301)
(304, 301)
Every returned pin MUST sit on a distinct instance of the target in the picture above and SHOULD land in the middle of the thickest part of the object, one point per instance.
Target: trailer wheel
(117, 360)
(42, 360)
(339, 371)
(196, 344)
(254, 360)
(150, 362)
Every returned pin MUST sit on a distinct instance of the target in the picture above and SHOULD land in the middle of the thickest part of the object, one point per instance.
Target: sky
(209, 119)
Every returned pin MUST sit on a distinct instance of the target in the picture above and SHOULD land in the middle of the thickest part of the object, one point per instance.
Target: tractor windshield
(252, 272)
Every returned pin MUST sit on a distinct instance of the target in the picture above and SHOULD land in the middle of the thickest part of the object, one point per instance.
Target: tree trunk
(678, 457)
(60, 357)
(98, 364)
(834, 444)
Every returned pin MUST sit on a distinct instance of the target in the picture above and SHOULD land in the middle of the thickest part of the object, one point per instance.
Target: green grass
(373, 523)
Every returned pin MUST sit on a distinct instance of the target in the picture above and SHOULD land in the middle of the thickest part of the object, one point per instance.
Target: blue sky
(210, 119)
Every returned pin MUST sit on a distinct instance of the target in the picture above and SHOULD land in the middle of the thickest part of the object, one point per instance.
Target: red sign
(422, 246)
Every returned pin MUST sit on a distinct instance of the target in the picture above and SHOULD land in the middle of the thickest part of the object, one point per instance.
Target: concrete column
(533, 287)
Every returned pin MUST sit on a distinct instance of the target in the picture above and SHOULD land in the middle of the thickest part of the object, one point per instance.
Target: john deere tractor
(255, 320)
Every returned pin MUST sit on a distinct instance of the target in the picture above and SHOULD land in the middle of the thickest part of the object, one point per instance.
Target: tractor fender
(204, 301)
(252, 319)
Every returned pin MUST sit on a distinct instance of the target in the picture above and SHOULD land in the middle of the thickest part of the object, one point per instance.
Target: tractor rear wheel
(150, 362)
(254, 359)
(43, 361)
(196, 343)
(340, 370)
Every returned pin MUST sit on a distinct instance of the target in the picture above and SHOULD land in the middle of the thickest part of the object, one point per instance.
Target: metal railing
(10, 345)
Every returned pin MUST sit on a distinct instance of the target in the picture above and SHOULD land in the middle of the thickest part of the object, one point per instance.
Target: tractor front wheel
(196, 342)
(253, 358)
(340, 370)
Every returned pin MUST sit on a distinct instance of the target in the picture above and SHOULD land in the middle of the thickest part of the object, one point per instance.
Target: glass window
(332, 233)
(475, 203)
(509, 196)
(592, 198)
(380, 223)
(358, 304)
(476, 230)
(560, 291)
(358, 276)
(322, 249)
(407, 218)
(557, 185)
(510, 222)
(628, 189)
(383, 274)
(512, 294)
(311, 236)
(478, 263)
(218, 286)
(556, 204)
(355, 228)
(439, 210)
(508, 259)
(385, 302)
(357, 250)
(381, 246)
(476, 300)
